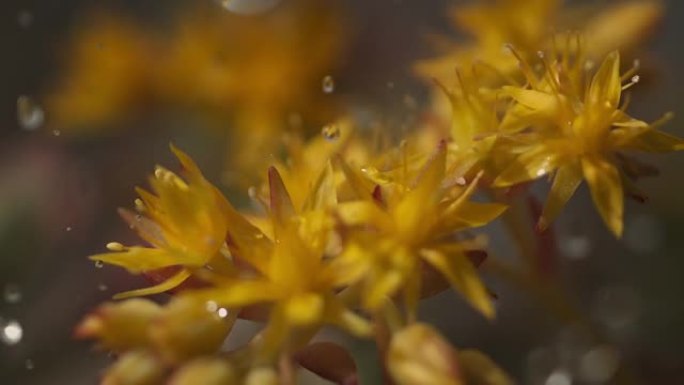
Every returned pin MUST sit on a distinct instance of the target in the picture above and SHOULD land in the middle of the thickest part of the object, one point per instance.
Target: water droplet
(115, 246)
(12, 294)
(25, 19)
(330, 131)
(102, 287)
(559, 377)
(68, 228)
(12, 333)
(28, 364)
(99, 264)
(222, 312)
(30, 115)
(328, 84)
(56, 132)
(575, 247)
(540, 54)
(248, 7)
(599, 364)
(211, 306)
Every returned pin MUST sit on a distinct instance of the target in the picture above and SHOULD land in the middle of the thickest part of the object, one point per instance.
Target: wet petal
(606, 85)
(138, 259)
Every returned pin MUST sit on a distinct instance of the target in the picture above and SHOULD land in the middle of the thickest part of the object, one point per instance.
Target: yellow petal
(606, 191)
(238, 293)
(361, 213)
(337, 314)
(477, 368)
(473, 214)
(323, 194)
(282, 208)
(606, 85)
(380, 286)
(138, 259)
(540, 102)
(305, 309)
(656, 141)
(169, 284)
(462, 275)
(528, 166)
(565, 182)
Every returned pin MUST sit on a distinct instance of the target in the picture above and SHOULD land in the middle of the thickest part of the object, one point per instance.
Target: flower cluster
(347, 234)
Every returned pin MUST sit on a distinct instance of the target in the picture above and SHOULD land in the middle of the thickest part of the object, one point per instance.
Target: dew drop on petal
(330, 131)
(11, 293)
(30, 114)
(248, 7)
(328, 84)
(12, 332)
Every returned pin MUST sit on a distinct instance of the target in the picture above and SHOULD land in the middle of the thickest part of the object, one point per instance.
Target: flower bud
(120, 326)
(419, 355)
(135, 368)
(186, 329)
(205, 371)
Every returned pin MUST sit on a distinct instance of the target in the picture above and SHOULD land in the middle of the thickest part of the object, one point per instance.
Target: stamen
(634, 80)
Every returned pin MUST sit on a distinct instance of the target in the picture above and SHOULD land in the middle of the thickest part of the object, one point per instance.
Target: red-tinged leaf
(330, 361)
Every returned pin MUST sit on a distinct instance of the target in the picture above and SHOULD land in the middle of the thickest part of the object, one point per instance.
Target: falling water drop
(12, 333)
(328, 84)
(99, 264)
(30, 115)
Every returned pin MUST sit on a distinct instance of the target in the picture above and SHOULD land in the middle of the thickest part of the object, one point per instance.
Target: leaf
(330, 361)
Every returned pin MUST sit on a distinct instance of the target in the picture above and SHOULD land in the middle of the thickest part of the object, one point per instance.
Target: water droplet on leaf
(29, 114)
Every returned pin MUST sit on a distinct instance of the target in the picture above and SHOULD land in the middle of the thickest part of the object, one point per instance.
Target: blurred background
(92, 92)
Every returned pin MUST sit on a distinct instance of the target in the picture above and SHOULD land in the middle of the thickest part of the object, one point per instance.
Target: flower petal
(458, 269)
(606, 191)
(169, 284)
(606, 85)
(565, 182)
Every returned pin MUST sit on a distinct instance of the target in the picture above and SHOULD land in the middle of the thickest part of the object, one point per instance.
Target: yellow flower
(401, 225)
(137, 367)
(186, 222)
(578, 133)
(290, 272)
